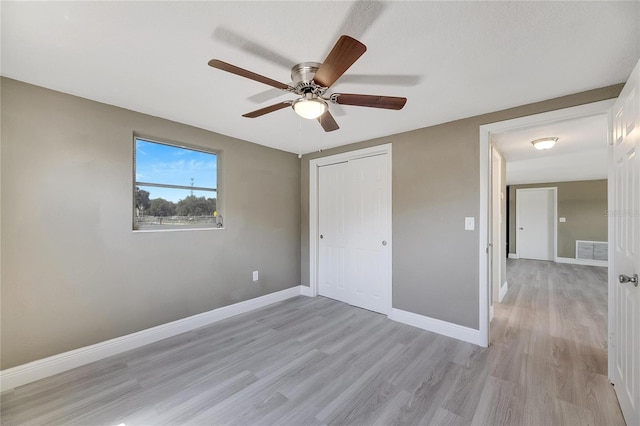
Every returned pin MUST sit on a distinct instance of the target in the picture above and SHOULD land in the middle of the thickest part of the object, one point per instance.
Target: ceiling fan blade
(346, 51)
(267, 110)
(406, 80)
(338, 110)
(239, 41)
(373, 101)
(267, 95)
(327, 122)
(216, 63)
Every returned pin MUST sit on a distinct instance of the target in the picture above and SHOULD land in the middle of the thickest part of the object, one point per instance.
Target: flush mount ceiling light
(310, 107)
(544, 143)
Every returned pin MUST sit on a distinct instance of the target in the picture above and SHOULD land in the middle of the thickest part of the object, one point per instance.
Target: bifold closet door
(355, 233)
(332, 226)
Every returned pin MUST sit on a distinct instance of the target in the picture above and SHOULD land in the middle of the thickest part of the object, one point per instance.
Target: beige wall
(435, 185)
(582, 203)
(73, 272)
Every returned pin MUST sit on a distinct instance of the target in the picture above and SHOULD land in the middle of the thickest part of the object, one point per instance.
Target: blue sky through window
(171, 165)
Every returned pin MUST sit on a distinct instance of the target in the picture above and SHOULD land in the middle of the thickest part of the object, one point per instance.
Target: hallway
(549, 346)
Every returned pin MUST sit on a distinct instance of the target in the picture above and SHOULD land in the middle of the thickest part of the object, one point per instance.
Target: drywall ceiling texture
(450, 59)
(74, 273)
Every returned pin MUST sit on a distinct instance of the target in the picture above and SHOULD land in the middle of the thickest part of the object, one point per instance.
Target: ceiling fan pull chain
(299, 137)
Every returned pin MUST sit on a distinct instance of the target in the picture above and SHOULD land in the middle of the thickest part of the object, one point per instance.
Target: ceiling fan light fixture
(310, 108)
(544, 143)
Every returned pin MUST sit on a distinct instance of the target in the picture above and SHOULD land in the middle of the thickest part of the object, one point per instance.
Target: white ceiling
(580, 154)
(450, 59)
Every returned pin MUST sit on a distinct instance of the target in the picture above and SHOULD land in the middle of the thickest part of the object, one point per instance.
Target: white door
(354, 224)
(332, 221)
(624, 173)
(535, 223)
(370, 243)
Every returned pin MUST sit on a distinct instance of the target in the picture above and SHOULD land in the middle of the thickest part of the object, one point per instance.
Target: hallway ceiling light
(544, 143)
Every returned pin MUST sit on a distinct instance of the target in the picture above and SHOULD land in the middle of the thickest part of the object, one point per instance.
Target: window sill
(163, 229)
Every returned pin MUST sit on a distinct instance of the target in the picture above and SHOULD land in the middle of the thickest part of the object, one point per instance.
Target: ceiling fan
(311, 80)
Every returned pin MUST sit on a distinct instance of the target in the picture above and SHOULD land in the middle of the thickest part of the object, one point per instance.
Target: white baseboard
(36, 370)
(305, 291)
(587, 262)
(513, 256)
(449, 329)
(503, 291)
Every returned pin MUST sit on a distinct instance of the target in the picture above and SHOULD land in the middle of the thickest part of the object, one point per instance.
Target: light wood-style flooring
(313, 361)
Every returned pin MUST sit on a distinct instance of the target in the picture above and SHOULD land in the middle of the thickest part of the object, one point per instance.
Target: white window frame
(218, 225)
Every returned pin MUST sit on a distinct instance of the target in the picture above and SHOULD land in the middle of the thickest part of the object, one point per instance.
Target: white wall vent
(592, 250)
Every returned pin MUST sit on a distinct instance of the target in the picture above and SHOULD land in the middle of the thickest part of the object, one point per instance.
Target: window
(174, 187)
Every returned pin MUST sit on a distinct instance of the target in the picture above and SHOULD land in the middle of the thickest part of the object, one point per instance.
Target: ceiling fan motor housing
(302, 77)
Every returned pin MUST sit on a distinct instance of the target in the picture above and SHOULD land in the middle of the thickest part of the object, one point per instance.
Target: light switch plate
(255, 275)
(469, 223)
(563, 219)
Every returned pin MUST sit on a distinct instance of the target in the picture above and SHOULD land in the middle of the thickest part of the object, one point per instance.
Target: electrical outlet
(255, 276)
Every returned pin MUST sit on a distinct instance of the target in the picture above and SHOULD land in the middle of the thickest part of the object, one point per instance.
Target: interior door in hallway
(624, 175)
(355, 233)
(535, 223)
